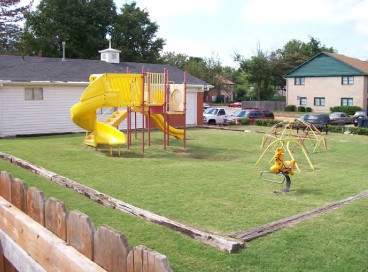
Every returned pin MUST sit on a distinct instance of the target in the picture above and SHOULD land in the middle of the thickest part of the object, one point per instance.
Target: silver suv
(358, 115)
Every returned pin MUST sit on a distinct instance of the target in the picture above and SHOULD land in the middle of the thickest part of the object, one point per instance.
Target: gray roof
(25, 69)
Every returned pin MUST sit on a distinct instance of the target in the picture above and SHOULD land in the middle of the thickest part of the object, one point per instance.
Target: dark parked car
(341, 116)
(320, 121)
(358, 115)
(252, 114)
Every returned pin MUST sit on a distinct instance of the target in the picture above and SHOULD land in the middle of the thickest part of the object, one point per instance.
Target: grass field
(214, 185)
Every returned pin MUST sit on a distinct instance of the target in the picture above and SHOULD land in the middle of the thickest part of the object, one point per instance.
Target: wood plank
(52, 253)
(111, 249)
(226, 244)
(19, 194)
(5, 185)
(80, 232)
(162, 263)
(138, 258)
(130, 261)
(147, 260)
(6, 180)
(256, 232)
(150, 262)
(36, 205)
(153, 261)
(55, 217)
(17, 256)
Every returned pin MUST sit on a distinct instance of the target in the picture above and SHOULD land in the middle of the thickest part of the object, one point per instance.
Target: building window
(347, 80)
(319, 101)
(113, 56)
(299, 81)
(346, 101)
(103, 56)
(33, 93)
(303, 101)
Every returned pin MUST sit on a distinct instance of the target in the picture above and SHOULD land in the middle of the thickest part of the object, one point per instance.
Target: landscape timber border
(230, 244)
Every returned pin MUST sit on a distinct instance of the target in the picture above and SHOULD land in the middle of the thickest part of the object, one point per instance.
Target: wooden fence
(270, 105)
(41, 235)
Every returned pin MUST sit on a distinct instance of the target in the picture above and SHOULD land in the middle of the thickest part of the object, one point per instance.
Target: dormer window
(113, 56)
(103, 56)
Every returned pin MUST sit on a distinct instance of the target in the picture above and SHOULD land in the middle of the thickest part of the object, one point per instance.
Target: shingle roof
(225, 81)
(25, 69)
(357, 63)
(330, 64)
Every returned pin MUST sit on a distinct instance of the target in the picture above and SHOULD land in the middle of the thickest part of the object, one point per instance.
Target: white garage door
(191, 114)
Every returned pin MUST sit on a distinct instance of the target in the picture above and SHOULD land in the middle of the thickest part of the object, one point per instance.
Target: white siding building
(36, 93)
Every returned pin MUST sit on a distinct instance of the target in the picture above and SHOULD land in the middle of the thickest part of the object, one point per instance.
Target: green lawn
(214, 185)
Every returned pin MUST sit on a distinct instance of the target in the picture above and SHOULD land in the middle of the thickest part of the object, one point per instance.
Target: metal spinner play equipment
(281, 136)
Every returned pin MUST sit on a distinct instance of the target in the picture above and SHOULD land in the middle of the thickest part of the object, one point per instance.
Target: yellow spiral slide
(111, 90)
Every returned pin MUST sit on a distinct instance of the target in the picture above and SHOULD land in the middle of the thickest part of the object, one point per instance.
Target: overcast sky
(203, 28)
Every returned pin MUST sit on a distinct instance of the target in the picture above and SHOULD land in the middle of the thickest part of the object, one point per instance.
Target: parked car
(252, 114)
(206, 106)
(214, 116)
(320, 121)
(358, 115)
(341, 116)
(235, 105)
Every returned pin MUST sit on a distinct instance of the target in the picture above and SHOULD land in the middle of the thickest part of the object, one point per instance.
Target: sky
(223, 28)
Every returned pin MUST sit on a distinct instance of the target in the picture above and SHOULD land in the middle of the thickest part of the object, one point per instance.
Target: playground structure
(151, 94)
(281, 136)
(287, 132)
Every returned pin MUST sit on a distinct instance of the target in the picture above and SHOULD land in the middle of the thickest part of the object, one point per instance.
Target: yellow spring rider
(281, 168)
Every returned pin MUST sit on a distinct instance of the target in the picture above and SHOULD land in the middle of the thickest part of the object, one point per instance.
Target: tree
(11, 14)
(314, 46)
(83, 25)
(208, 69)
(293, 54)
(177, 60)
(135, 35)
(258, 70)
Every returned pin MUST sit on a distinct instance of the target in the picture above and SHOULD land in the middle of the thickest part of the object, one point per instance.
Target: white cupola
(110, 55)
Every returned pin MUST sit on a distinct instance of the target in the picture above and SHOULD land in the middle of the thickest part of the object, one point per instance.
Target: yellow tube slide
(83, 114)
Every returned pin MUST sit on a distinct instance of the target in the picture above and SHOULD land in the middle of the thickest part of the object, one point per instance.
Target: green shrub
(231, 123)
(244, 121)
(301, 109)
(290, 108)
(358, 130)
(337, 129)
(354, 130)
(350, 110)
(308, 109)
(266, 122)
